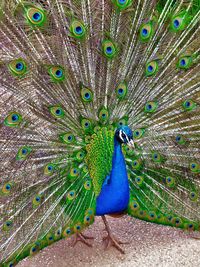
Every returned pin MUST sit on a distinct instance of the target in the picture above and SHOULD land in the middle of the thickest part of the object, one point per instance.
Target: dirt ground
(150, 245)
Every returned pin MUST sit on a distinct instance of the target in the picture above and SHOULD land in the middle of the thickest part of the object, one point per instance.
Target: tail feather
(84, 66)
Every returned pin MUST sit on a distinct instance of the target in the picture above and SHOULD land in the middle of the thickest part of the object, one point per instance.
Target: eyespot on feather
(146, 31)
(77, 29)
(121, 5)
(57, 73)
(121, 91)
(14, 119)
(151, 107)
(109, 49)
(35, 16)
(57, 111)
(18, 67)
(151, 68)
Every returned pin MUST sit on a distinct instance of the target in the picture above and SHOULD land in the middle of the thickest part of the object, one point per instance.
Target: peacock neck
(118, 155)
(114, 196)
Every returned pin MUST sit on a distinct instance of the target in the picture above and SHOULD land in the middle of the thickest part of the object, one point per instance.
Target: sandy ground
(150, 245)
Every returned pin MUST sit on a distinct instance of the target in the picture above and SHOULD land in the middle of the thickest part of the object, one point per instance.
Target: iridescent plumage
(75, 78)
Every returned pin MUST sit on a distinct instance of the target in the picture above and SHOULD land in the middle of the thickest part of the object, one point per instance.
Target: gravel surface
(150, 245)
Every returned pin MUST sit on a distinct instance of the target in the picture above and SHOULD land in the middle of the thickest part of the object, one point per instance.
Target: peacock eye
(139, 180)
(156, 157)
(74, 172)
(77, 29)
(49, 169)
(103, 115)
(121, 90)
(122, 4)
(57, 112)
(170, 181)
(108, 49)
(189, 105)
(193, 196)
(179, 21)
(67, 138)
(88, 185)
(176, 23)
(182, 62)
(35, 16)
(185, 62)
(23, 153)
(151, 68)
(146, 32)
(80, 155)
(8, 187)
(138, 133)
(15, 117)
(18, 67)
(123, 136)
(71, 195)
(180, 140)
(151, 107)
(195, 167)
(57, 73)
(86, 95)
(86, 124)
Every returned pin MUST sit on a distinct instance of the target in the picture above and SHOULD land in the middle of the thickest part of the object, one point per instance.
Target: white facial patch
(120, 136)
(127, 139)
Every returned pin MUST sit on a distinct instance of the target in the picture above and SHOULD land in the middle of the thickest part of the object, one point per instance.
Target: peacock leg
(82, 238)
(110, 240)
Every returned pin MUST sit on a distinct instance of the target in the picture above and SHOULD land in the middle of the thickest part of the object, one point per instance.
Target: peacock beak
(131, 144)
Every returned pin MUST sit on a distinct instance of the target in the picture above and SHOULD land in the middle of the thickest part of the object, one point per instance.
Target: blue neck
(114, 196)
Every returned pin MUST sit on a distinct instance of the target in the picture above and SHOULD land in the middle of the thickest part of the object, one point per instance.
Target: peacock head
(124, 135)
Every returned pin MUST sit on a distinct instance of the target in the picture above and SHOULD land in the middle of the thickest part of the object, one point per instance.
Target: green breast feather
(99, 157)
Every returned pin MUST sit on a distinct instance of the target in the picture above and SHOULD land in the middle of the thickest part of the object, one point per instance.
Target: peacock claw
(82, 238)
(110, 240)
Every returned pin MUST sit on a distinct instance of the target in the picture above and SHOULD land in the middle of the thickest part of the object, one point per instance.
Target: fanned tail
(74, 70)
(164, 169)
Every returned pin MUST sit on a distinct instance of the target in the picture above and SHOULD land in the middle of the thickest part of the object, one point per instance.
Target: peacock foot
(82, 238)
(110, 240)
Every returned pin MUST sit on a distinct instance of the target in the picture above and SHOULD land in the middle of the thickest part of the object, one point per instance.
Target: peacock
(100, 115)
